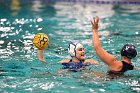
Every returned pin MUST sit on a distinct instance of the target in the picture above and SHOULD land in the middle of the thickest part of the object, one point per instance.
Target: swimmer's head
(76, 49)
(129, 51)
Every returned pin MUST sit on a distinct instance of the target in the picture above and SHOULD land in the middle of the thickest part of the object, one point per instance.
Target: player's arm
(91, 61)
(40, 56)
(102, 54)
(64, 61)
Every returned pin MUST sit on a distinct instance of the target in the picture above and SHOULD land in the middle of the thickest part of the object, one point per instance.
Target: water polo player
(115, 66)
(77, 53)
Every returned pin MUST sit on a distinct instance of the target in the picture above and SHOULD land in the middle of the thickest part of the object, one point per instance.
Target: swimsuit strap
(126, 66)
(82, 61)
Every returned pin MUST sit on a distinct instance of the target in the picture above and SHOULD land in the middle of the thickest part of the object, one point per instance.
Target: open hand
(94, 23)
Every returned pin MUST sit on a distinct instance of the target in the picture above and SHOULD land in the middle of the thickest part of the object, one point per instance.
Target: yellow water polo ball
(41, 41)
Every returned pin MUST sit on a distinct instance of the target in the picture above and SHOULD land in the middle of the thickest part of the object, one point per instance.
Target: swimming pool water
(22, 72)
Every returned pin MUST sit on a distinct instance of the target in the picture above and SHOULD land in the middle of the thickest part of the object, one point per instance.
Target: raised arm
(40, 56)
(102, 54)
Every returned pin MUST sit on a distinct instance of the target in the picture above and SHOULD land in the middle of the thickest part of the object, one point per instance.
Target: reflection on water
(62, 22)
(15, 6)
(37, 6)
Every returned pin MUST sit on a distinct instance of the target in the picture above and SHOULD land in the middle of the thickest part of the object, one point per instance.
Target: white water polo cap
(72, 48)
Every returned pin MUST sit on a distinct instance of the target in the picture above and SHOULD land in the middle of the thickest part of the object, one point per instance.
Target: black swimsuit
(125, 67)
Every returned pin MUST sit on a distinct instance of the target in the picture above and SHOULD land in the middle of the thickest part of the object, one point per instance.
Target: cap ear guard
(71, 50)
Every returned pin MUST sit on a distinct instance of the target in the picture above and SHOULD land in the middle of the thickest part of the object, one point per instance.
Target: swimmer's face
(80, 53)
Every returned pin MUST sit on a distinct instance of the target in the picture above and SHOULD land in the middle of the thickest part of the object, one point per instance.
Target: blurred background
(64, 21)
